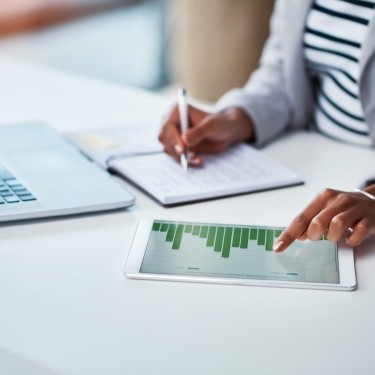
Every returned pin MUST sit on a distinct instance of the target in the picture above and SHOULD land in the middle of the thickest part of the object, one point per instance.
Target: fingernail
(196, 160)
(278, 245)
(178, 148)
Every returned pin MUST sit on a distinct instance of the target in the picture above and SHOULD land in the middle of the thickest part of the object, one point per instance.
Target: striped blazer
(279, 95)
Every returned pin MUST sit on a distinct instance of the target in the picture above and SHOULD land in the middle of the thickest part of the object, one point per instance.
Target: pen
(184, 124)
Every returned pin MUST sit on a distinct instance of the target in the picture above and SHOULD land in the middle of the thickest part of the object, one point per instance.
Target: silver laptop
(43, 175)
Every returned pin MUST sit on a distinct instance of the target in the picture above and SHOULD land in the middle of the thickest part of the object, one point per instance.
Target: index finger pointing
(299, 225)
(291, 233)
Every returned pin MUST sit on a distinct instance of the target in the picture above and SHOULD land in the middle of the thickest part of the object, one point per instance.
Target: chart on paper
(236, 251)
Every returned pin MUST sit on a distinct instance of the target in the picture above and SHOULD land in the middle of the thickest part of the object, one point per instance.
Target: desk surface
(67, 309)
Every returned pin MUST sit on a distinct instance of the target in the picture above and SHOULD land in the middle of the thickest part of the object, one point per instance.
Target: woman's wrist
(244, 126)
(370, 189)
(369, 192)
(365, 193)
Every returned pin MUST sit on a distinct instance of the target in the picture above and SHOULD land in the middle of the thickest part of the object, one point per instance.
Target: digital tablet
(236, 254)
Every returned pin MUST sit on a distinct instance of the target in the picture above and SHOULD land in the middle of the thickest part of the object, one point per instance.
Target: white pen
(184, 124)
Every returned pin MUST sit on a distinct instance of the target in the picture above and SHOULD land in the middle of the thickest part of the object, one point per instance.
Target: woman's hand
(207, 133)
(336, 214)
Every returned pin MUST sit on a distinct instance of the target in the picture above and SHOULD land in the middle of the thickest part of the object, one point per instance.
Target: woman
(317, 70)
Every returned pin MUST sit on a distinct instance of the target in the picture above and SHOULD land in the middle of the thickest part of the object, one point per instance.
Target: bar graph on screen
(235, 251)
(220, 238)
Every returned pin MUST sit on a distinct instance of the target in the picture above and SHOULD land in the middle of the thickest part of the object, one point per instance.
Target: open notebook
(137, 156)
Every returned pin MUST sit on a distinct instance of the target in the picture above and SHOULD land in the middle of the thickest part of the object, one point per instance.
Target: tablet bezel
(139, 245)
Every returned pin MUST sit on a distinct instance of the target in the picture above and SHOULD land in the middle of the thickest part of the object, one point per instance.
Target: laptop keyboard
(11, 189)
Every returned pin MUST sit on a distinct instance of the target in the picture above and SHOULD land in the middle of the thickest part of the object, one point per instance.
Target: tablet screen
(236, 251)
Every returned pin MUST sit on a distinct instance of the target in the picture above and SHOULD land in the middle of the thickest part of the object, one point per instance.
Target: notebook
(135, 154)
(43, 175)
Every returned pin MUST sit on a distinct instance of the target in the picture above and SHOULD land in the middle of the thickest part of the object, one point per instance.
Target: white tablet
(236, 254)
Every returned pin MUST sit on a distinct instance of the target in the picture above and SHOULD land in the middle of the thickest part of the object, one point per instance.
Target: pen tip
(184, 163)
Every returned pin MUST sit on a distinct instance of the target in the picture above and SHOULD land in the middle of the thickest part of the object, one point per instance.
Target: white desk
(65, 305)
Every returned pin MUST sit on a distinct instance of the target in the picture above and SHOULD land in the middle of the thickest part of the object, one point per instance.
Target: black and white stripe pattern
(334, 34)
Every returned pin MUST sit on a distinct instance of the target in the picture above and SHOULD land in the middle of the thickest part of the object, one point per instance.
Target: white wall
(125, 45)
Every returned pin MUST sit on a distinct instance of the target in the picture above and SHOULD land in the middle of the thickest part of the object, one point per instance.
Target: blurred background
(208, 46)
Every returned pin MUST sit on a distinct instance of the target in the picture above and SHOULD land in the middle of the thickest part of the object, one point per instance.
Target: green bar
(219, 239)
(188, 228)
(164, 227)
(211, 237)
(278, 232)
(227, 242)
(156, 226)
(178, 237)
(244, 238)
(204, 231)
(170, 233)
(261, 237)
(269, 239)
(236, 237)
(253, 233)
(196, 230)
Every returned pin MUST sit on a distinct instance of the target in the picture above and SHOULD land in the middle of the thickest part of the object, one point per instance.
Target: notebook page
(240, 169)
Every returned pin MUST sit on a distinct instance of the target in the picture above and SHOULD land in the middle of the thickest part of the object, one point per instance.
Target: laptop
(43, 175)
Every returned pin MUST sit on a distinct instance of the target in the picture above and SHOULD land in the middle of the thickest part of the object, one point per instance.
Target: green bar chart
(236, 251)
(222, 239)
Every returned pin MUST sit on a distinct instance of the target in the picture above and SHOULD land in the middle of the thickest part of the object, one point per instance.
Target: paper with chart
(241, 169)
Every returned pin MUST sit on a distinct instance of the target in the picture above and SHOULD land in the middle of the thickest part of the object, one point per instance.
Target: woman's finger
(300, 224)
(360, 231)
(171, 140)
